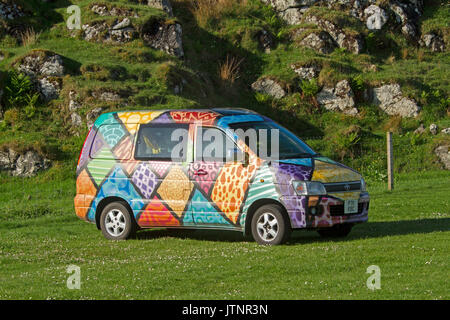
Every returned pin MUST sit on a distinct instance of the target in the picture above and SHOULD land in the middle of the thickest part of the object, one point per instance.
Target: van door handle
(200, 172)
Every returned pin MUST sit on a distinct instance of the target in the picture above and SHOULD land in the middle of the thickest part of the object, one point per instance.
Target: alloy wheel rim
(267, 226)
(115, 223)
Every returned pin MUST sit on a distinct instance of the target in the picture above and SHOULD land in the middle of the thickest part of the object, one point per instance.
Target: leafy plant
(30, 108)
(309, 87)
(17, 90)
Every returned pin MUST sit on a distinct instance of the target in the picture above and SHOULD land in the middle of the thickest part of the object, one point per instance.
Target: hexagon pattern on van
(169, 194)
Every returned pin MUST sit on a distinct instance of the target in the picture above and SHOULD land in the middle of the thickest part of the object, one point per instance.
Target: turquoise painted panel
(117, 185)
(203, 213)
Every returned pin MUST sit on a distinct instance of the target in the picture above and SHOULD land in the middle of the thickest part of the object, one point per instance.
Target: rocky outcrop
(9, 10)
(42, 63)
(74, 106)
(320, 41)
(103, 10)
(349, 41)
(433, 42)
(433, 129)
(265, 40)
(45, 69)
(163, 36)
(340, 98)
(25, 164)
(375, 17)
(107, 96)
(269, 86)
(291, 10)
(121, 31)
(307, 71)
(375, 14)
(49, 87)
(443, 154)
(162, 5)
(390, 99)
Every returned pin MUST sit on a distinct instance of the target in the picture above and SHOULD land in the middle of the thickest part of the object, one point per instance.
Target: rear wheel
(116, 222)
(336, 231)
(270, 226)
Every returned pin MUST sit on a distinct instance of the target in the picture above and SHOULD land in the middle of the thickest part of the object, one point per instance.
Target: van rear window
(166, 142)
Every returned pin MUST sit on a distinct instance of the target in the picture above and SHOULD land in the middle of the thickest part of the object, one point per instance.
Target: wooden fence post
(390, 161)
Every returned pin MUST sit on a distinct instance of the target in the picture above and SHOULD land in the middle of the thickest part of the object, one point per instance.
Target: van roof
(186, 115)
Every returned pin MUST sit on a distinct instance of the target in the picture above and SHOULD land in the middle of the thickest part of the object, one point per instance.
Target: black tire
(266, 234)
(124, 223)
(337, 231)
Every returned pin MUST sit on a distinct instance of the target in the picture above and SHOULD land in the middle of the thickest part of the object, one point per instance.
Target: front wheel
(116, 222)
(270, 226)
(336, 231)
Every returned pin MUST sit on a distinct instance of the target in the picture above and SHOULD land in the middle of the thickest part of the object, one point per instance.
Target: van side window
(213, 144)
(162, 142)
(100, 147)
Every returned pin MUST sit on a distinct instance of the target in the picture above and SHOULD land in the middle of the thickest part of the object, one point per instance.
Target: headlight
(309, 188)
(363, 185)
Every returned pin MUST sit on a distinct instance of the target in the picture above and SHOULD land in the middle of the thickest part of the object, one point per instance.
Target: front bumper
(329, 211)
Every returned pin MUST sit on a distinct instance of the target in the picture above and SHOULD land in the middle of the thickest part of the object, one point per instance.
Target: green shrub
(309, 87)
(18, 90)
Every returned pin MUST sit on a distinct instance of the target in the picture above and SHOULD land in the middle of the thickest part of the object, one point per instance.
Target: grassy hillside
(222, 59)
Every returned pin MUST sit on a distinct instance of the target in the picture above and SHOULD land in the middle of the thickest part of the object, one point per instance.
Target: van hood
(323, 169)
(320, 169)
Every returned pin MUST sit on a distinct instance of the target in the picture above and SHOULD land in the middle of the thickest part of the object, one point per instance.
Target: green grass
(407, 236)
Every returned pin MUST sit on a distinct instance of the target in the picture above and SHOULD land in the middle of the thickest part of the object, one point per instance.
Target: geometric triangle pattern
(131, 120)
(112, 131)
(86, 192)
(262, 187)
(157, 215)
(101, 165)
(145, 180)
(160, 168)
(175, 190)
(117, 184)
(203, 212)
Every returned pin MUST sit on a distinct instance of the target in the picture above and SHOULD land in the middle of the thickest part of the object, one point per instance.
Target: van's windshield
(289, 145)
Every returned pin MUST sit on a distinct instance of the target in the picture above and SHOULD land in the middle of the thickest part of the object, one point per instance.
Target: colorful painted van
(128, 178)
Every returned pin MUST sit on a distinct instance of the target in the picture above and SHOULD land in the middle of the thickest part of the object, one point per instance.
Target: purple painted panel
(145, 180)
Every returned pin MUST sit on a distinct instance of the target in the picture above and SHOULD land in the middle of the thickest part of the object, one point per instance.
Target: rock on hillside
(269, 87)
(45, 69)
(391, 100)
(156, 33)
(339, 98)
(9, 10)
(26, 164)
(164, 36)
(374, 14)
(162, 5)
(443, 153)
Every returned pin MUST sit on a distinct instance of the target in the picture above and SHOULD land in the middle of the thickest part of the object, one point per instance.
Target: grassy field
(407, 237)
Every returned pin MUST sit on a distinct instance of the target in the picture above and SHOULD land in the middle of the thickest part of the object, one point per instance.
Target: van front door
(213, 202)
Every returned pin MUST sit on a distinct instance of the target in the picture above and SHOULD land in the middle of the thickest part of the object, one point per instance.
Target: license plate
(350, 206)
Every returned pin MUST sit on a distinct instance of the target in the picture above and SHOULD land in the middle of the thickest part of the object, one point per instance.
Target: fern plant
(18, 89)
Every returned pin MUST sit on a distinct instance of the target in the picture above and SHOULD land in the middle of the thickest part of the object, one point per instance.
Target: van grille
(343, 186)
